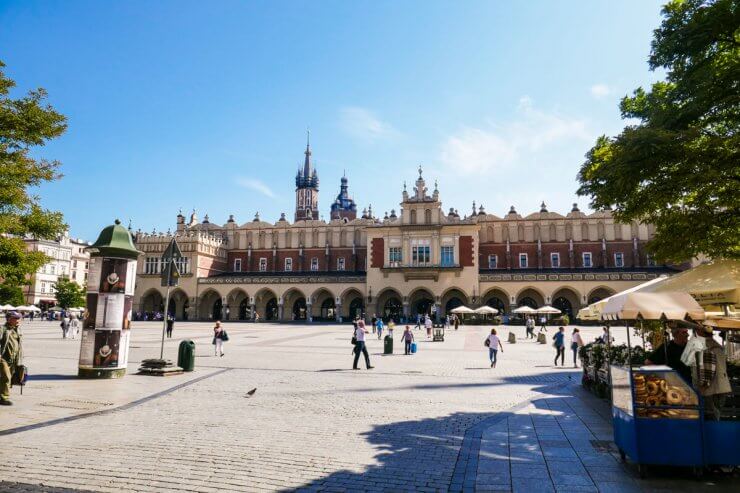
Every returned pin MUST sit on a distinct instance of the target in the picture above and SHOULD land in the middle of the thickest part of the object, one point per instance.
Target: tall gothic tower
(307, 189)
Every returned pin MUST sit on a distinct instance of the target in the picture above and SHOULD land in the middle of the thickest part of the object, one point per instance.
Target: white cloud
(363, 124)
(255, 185)
(600, 91)
(499, 146)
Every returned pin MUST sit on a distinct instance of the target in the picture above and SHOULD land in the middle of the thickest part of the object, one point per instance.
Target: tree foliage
(69, 294)
(11, 295)
(678, 165)
(25, 124)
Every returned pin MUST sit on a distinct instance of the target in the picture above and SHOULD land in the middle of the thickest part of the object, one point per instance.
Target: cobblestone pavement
(434, 421)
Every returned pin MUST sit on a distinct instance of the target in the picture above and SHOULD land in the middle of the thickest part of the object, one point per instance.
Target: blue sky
(205, 105)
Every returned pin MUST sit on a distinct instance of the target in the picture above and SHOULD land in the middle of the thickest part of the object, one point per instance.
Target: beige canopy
(714, 283)
(524, 310)
(547, 310)
(485, 309)
(652, 306)
(593, 311)
(461, 310)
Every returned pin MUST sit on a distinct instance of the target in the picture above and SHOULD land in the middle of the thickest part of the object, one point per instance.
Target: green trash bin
(186, 355)
(387, 345)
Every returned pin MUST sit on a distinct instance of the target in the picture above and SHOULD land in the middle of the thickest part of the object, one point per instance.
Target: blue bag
(413, 347)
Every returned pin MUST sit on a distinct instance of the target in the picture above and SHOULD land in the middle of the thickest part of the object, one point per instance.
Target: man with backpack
(10, 355)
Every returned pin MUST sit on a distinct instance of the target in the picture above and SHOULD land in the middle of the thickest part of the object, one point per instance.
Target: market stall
(658, 416)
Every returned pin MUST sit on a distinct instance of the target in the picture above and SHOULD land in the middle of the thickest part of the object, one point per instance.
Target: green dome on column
(114, 241)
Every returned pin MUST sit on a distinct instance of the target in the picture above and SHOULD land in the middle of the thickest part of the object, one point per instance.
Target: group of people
(529, 324)
(70, 324)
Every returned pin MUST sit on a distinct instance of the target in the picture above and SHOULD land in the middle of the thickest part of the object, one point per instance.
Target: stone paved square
(440, 420)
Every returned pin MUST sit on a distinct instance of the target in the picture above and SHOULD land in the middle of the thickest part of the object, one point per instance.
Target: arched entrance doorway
(356, 308)
(393, 309)
(531, 298)
(599, 294)
(453, 303)
(151, 303)
(217, 309)
(528, 301)
(562, 304)
(271, 309)
(245, 310)
(328, 309)
(567, 301)
(498, 299)
(299, 309)
(421, 302)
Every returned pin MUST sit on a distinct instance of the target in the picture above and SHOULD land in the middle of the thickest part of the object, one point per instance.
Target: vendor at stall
(671, 355)
(708, 363)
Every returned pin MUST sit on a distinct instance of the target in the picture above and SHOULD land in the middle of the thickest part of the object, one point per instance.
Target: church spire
(307, 162)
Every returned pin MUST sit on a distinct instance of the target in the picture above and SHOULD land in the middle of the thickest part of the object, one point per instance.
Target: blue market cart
(658, 417)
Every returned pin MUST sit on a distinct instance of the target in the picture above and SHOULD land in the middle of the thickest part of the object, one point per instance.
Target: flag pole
(164, 324)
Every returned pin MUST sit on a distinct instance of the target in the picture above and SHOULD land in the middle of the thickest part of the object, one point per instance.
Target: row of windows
(288, 266)
(74, 264)
(154, 265)
(586, 257)
(422, 255)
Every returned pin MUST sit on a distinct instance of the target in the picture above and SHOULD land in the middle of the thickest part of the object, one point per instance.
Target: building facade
(419, 259)
(67, 258)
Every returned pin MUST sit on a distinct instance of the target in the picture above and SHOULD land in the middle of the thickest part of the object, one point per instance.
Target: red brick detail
(466, 251)
(377, 253)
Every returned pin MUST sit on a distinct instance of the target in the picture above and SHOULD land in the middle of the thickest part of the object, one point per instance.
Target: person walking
(407, 338)
(576, 342)
(559, 346)
(359, 340)
(170, 325)
(10, 355)
(457, 321)
(493, 343)
(64, 324)
(373, 321)
(418, 321)
(428, 325)
(447, 322)
(379, 327)
(543, 324)
(219, 337)
(529, 325)
(74, 325)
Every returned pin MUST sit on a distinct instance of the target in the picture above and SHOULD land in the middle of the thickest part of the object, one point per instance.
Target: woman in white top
(493, 343)
(576, 342)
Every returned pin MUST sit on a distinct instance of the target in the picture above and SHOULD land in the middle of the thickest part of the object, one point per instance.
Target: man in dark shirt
(674, 350)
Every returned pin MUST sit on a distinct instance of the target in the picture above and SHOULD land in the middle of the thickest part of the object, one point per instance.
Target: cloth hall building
(419, 259)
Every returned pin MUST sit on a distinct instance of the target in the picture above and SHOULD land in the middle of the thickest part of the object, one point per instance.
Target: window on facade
(151, 265)
(263, 264)
(412, 217)
(619, 259)
(85, 276)
(183, 265)
(493, 261)
(587, 261)
(288, 264)
(43, 287)
(87, 265)
(650, 260)
(555, 260)
(237, 265)
(395, 256)
(523, 261)
(428, 216)
(315, 263)
(74, 264)
(448, 256)
(421, 253)
(52, 269)
(340, 263)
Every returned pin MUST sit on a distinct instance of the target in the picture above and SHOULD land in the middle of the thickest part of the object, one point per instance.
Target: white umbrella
(485, 309)
(462, 309)
(23, 308)
(593, 311)
(7, 307)
(652, 306)
(33, 308)
(524, 310)
(547, 309)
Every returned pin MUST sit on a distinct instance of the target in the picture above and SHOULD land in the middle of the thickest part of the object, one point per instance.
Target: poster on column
(93, 275)
(113, 276)
(107, 345)
(109, 312)
(87, 348)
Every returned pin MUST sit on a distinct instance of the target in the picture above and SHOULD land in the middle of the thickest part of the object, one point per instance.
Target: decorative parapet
(610, 276)
(281, 279)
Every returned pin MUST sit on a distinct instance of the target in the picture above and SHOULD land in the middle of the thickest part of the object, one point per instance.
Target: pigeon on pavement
(251, 393)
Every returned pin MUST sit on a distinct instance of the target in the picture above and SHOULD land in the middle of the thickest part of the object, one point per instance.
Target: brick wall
(377, 253)
(466, 251)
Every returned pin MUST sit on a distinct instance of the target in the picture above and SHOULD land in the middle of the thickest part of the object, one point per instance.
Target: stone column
(309, 316)
(438, 311)
(280, 310)
(338, 312)
(224, 309)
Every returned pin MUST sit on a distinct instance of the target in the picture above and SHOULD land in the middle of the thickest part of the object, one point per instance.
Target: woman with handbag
(219, 337)
(576, 342)
(493, 343)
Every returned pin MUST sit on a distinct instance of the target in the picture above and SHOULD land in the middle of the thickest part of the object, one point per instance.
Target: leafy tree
(25, 124)
(69, 294)
(678, 165)
(11, 295)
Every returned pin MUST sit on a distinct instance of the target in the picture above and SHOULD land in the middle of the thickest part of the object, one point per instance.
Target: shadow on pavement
(52, 376)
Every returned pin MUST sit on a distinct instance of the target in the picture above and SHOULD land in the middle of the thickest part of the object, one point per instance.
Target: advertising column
(107, 320)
